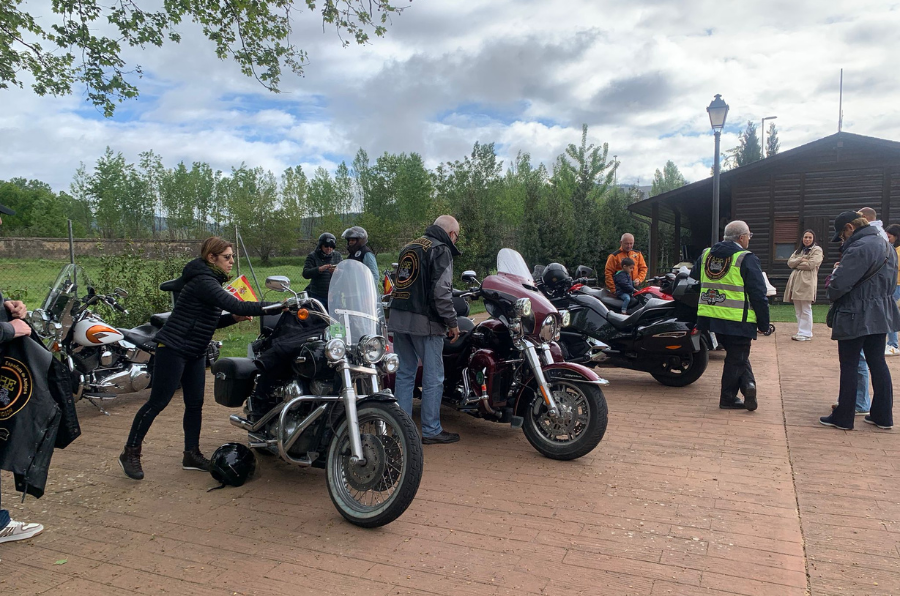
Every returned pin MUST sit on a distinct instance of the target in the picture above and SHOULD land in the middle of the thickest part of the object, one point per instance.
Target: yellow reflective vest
(722, 294)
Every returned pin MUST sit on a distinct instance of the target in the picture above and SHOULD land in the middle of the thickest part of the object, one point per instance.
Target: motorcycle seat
(466, 326)
(159, 319)
(609, 299)
(143, 336)
(620, 321)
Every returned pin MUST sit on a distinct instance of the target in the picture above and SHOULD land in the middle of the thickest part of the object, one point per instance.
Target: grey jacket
(865, 308)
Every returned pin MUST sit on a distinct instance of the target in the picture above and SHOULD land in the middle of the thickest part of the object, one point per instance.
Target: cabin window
(783, 250)
(785, 236)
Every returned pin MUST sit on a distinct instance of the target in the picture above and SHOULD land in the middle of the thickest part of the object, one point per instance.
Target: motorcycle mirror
(469, 276)
(278, 283)
(120, 293)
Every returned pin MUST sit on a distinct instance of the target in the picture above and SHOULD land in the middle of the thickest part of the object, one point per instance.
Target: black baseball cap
(6, 210)
(842, 220)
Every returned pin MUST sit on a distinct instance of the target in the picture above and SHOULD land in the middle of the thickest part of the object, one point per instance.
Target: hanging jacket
(319, 280)
(29, 418)
(198, 312)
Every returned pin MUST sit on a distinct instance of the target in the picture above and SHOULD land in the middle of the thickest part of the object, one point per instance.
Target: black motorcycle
(658, 334)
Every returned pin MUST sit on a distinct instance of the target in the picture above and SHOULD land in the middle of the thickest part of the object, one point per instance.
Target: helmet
(555, 277)
(356, 232)
(233, 464)
(327, 239)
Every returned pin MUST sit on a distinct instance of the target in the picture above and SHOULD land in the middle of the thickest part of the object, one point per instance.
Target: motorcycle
(659, 335)
(104, 361)
(314, 397)
(508, 368)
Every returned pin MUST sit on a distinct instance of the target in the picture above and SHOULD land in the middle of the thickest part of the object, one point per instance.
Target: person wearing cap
(733, 305)
(864, 312)
(319, 268)
(12, 325)
(357, 239)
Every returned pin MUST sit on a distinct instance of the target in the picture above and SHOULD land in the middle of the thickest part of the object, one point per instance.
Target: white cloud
(522, 74)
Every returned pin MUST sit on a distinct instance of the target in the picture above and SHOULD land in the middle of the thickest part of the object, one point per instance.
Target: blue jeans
(862, 384)
(427, 348)
(892, 335)
(4, 518)
(625, 298)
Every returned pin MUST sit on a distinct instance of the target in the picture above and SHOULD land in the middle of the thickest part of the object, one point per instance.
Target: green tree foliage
(39, 211)
(66, 48)
(668, 179)
(747, 151)
(772, 142)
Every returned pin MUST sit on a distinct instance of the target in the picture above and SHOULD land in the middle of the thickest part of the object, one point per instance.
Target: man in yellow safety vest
(733, 305)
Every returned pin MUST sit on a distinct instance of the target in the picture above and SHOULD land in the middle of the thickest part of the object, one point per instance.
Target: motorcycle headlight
(372, 348)
(523, 307)
(566, 318)
(391, 363)
(549, 328)
(335, 349)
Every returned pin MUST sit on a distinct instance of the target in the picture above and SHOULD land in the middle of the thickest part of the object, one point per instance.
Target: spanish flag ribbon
(388, 286)
(240, 289)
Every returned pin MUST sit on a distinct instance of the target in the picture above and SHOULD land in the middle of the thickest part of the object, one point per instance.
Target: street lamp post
(718, 112)
(762, 143)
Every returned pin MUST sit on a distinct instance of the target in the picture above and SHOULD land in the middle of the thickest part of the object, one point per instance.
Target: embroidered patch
(717, 267)
(16, 386)
(407, 270)
(712, 297)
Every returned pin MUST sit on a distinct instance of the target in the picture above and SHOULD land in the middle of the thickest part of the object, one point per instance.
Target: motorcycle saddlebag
(234, 382)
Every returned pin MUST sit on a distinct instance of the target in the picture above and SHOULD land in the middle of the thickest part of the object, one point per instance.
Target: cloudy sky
(522, 74)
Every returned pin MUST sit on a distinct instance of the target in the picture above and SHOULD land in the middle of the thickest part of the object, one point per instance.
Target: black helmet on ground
(327, 239)
(233, 464)
(556, 277)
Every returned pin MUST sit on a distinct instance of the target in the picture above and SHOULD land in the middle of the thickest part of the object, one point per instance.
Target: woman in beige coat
(801, 287)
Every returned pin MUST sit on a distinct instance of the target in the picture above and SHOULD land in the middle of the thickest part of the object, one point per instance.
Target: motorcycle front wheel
(577, 429)
(379, 491)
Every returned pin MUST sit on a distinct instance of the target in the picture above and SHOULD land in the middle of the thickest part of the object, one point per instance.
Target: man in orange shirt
(614, 262)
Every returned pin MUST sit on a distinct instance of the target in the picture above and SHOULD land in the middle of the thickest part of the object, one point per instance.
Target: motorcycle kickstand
(96, 405)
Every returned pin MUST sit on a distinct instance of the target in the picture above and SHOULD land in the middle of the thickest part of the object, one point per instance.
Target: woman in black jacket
(319, 268)
(181, 356)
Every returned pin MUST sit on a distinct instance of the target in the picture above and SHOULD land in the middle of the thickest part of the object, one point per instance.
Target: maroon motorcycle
(509, 368)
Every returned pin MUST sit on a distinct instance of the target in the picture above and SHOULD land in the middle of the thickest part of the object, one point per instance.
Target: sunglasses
(228, 257)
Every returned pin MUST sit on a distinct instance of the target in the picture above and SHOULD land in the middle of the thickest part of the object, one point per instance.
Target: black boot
(749, 391)
(194, 460)
(130, 460)
(731, 404)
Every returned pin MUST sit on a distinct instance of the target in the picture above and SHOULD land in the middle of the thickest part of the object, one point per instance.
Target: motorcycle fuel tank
(94, 332)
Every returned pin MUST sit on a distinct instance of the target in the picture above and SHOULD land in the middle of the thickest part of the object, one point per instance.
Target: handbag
(829, 316)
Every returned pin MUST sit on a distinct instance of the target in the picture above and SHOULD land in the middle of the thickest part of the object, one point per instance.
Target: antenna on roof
(841, 103)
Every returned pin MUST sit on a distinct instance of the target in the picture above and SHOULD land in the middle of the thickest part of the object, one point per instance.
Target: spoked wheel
(577, 429)
(378, 492)
(686, 370)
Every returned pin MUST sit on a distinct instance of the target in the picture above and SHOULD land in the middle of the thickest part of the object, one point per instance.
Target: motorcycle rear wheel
(685, 376)
(579, 427)
(378, 492)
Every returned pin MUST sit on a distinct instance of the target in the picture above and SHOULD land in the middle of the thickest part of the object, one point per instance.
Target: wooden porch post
(677, 239)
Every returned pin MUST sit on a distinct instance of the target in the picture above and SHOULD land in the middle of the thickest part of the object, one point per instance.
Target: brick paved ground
(680, 498)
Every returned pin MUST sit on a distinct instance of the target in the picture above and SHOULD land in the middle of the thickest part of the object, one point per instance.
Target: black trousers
(737, 371)
(883, 396)
(168, 369)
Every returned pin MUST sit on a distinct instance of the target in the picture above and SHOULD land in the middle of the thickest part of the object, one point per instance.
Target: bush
(140, 275)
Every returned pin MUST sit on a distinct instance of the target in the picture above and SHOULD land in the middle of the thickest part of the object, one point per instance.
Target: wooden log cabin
(779, 197)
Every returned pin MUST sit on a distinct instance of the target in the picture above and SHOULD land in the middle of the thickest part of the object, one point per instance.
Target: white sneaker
(891, 351)
(19, 531)
(801, 338)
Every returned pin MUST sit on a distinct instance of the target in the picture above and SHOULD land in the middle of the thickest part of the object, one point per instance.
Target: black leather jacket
(319, 280)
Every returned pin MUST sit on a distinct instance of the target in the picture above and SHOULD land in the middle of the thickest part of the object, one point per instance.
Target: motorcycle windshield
(67, 284)
(354, 303)
(512, 263)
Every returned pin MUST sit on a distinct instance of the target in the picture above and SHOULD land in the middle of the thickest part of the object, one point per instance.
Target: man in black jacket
(12, 326)
(422, 313)
(733, 305)
(319, 268)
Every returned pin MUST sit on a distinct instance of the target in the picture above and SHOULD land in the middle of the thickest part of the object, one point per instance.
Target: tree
(747, 152)
(66, 49)
(772, 142)
(668, 179)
